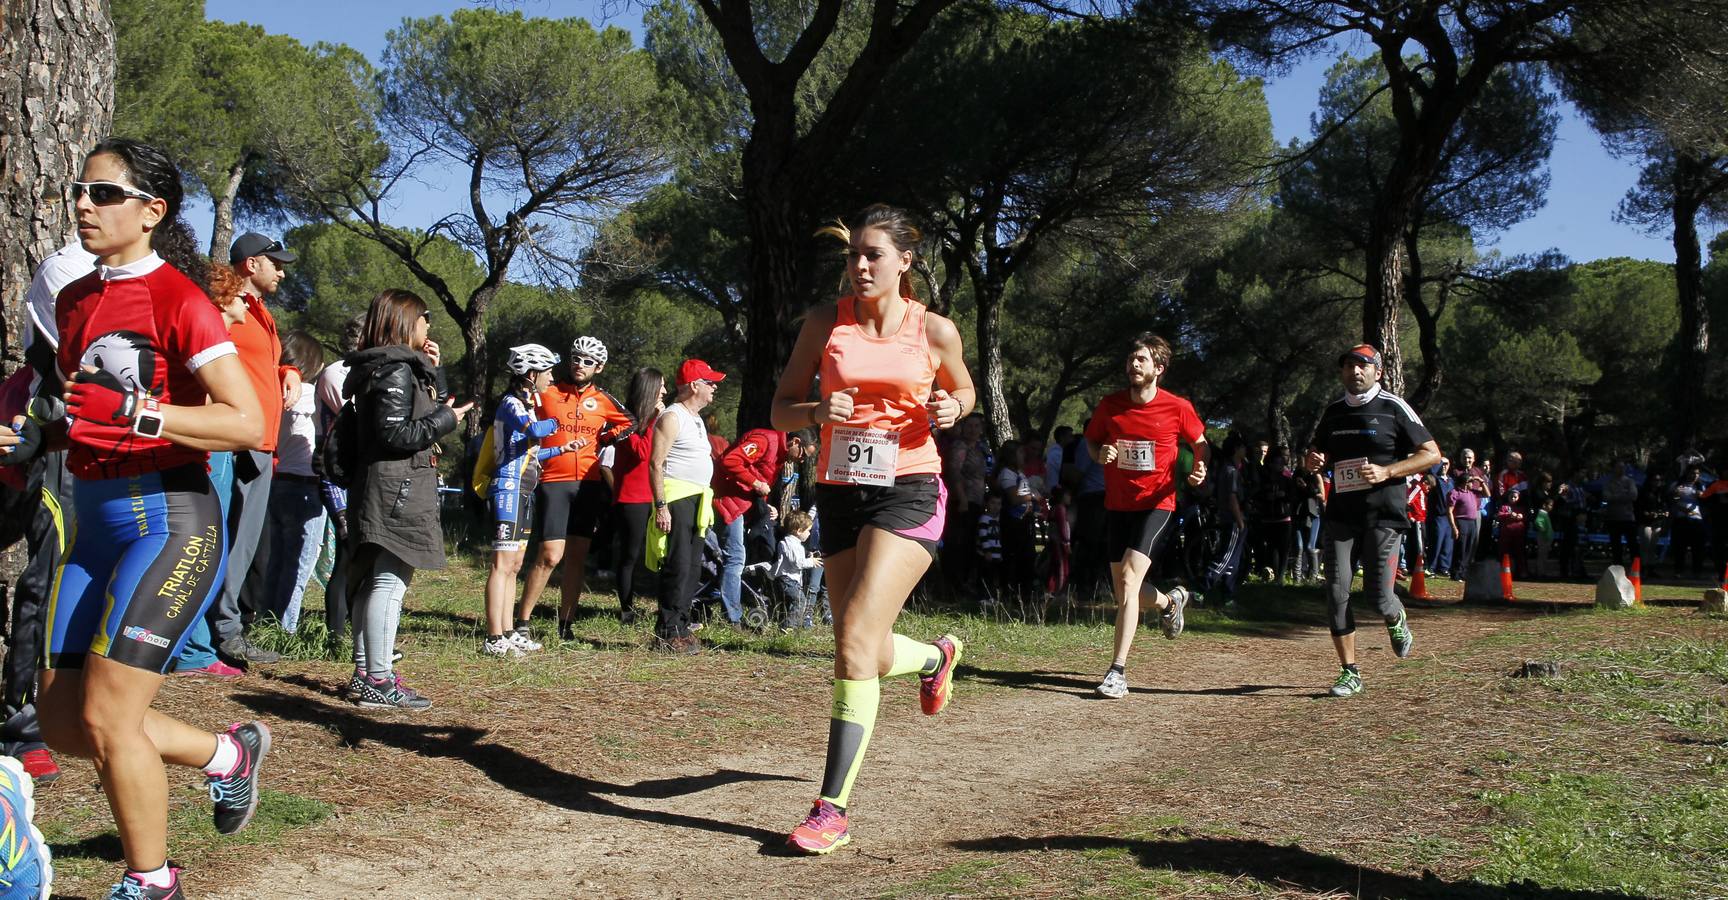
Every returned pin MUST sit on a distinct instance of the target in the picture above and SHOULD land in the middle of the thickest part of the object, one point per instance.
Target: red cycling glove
(99, 397)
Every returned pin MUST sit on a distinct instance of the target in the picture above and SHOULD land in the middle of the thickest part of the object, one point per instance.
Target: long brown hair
(390, 318)
(303, 352)
(894, 222)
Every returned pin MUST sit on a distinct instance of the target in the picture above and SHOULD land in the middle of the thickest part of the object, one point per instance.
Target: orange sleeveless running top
(894, 376)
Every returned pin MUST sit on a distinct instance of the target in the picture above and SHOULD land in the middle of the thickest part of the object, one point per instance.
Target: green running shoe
(1349, 684)
(1402, 639)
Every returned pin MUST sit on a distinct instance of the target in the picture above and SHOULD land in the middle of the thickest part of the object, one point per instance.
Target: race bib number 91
(1347, 475)
(862, 456)
(1136, 456)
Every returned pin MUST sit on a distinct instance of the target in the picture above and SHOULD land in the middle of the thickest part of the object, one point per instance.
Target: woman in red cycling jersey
(891, 373)
(142, 349)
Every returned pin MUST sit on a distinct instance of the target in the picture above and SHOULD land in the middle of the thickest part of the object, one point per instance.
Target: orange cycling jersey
(894, 375)
(588, 414)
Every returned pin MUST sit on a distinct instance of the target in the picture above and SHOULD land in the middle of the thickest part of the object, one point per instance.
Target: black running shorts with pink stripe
(914, 507)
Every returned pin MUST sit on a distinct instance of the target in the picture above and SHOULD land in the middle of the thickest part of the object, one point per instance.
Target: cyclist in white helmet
(573, 497)
(516, 470)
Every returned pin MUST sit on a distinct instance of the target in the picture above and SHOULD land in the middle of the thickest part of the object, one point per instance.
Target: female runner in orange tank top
(891, 374)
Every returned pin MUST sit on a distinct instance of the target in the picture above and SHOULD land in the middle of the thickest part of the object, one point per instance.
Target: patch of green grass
(972, 877)
(1604, 831)
(86, 847)
(1683, 684)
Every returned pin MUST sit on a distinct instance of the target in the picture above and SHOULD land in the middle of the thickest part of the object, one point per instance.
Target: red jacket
(756, 457)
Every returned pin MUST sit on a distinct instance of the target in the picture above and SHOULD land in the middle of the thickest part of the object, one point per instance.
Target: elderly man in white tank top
(680, 469)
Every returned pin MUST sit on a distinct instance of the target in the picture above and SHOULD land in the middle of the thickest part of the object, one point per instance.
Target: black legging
(632, 531)
(679, 568)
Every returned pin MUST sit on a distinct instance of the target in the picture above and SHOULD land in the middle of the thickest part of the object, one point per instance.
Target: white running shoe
(1114, 686)
(521, 641)
(500, 647)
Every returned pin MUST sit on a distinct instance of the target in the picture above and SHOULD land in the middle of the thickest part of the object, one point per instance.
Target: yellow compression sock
(913, 656)
(849, 730)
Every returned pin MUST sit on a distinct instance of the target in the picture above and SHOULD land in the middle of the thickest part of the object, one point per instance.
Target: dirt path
(989, 766)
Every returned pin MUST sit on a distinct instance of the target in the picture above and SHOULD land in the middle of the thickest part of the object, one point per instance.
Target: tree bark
(222, 231)
(1427, 321)
(1383, 297)
(780, 286)
(992, 393)
(56, 100)
(1692, 344)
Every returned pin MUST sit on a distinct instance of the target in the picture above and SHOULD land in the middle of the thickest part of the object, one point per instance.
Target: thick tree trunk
(222, 231)
(56, 99)
(1277, 423)
(779, 288)
(1427, 322)
(474, 342)
(992, 392)
(1382, 299)
(1692, 344)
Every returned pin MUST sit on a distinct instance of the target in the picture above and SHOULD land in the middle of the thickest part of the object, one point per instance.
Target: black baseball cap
(253, 244)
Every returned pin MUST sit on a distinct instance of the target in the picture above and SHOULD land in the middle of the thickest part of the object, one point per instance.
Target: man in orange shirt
(572, 497)
(259, 260)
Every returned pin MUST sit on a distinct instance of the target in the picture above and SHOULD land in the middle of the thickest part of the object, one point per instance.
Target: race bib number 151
(1347, 475)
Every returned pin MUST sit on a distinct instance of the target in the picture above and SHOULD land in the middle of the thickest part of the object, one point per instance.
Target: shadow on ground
(1080, 684)
(513, 770)
(1284, 867)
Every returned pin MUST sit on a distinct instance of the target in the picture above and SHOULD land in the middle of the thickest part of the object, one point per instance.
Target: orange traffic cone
(1725, 578)
(1506, 578)
(1637, 581)
(1419, 581)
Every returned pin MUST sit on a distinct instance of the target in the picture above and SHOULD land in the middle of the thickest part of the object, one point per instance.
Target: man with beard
(1134, 433)
(573, 497)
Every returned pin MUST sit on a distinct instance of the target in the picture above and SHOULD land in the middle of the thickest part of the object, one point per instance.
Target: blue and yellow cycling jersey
(516, 436)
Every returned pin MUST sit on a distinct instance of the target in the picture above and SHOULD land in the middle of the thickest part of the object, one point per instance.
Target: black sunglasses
(427, 315)
(109, 193)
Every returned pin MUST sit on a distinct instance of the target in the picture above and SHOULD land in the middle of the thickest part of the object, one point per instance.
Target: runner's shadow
(1284, 867)
(1072, 683)
(1079, 684)
(513, 770)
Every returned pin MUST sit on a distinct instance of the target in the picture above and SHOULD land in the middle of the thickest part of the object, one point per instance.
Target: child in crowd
(1543, 525)
(791, 561)
(990, 550)
(1514, 531)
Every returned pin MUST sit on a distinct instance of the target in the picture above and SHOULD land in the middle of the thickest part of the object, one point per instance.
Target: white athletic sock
(156, 878)
(226, 758)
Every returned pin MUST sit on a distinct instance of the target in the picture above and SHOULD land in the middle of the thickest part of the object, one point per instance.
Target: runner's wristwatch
(147, 420)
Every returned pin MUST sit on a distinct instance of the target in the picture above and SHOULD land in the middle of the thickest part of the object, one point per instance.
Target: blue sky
(1587, 183)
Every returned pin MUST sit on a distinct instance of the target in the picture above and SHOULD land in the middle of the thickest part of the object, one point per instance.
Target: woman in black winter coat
(393, 525)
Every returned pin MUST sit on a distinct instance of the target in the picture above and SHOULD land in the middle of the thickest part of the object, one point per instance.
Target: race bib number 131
(1136, 456)
(862, 456)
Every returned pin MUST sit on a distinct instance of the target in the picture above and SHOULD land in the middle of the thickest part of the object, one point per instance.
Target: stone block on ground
(1715, 601)
(1483, 582)
(1614, 590)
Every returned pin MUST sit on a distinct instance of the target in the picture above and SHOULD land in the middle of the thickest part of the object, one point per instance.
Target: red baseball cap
(1362, 353)
(697, 370)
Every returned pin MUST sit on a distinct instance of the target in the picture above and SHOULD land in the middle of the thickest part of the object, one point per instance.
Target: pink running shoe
(935, 689)
(822, 832)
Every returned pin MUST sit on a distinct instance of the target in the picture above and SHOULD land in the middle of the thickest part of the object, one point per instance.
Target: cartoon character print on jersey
(130, 357)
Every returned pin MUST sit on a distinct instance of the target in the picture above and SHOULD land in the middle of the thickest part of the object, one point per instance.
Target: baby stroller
(756, 593)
